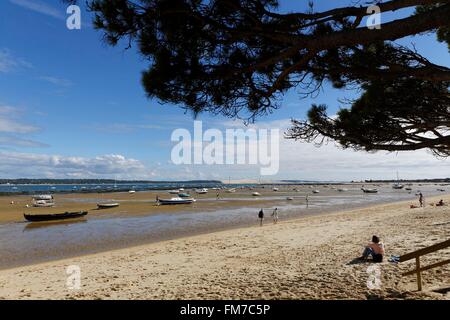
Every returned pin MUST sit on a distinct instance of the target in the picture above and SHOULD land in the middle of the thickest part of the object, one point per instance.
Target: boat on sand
(175, 200)
(368, 190)
(54, 216)
(107, 205)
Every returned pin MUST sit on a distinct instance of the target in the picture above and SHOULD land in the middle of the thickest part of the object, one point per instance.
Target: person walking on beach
(307, 201)
(421, 200)
(217, 196)
(275, 215)
(261, 217)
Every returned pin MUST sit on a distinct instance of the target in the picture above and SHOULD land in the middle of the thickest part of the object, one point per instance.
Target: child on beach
(374, 249)
(275, 215)
(421, 200)
(261, 217)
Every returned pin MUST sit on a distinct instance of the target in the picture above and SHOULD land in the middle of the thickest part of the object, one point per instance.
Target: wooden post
(419, 276)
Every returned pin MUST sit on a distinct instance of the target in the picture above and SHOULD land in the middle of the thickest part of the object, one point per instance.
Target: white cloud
(20, 142)
(40, 7)
(10, 124)
(121, 128)
(16, 164)
(57, 81)
(10, 63)
(305, 161)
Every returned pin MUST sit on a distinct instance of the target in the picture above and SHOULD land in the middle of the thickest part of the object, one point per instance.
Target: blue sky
(71, 106)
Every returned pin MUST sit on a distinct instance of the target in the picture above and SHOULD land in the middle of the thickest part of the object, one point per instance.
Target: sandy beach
(307, 258)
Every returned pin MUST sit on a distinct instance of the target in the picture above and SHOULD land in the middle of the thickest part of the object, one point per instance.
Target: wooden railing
(417, 254)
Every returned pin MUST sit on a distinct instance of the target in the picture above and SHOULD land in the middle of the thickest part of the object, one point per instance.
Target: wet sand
(139, 221)
(306, 258)
(13, 207)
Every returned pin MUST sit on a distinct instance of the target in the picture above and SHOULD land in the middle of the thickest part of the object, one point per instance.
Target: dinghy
(373, 190)
(107, 205)
(256, 194)
(54, 216)
(184, 195)
(175, 200)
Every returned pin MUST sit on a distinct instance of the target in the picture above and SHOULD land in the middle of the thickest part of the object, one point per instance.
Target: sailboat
(397, 185)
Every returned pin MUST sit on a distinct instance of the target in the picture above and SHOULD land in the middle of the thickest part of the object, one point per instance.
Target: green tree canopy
(239, 57)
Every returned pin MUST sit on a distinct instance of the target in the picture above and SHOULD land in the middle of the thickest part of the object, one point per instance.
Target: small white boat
(316, 191)
(366, 190)
(398, 186)
(289, 198)
(43, 204)
(175, 200)
(232, 190)
(174, 191)
(275, 189)
(342, 189)
(181, 189)
(107, 205)
(256, 194)
(43, 200)
(201, 191)
(132, 192)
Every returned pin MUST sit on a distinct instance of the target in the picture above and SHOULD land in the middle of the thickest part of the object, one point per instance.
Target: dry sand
(308, 258)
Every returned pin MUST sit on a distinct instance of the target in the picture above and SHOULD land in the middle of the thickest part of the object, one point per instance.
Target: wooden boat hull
(107, 205)
(54, 216)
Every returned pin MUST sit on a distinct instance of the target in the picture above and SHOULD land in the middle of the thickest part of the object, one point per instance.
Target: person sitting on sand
(261, 217)
(275, 215)
(440, 203)
(374, 249)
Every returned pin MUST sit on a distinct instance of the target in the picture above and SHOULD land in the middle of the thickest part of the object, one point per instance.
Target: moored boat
(107, 205)
(175, 200)
(54, 216)
(184, 195)
(373, 190)
(43, 201)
